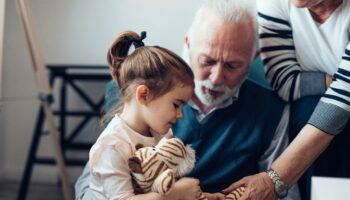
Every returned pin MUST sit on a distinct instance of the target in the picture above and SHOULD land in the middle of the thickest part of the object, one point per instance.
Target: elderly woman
(306, 52)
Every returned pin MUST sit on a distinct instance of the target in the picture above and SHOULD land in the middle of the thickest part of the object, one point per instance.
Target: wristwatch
(281, 189)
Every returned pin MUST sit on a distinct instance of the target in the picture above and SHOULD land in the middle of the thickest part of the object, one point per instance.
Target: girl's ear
(142, 94)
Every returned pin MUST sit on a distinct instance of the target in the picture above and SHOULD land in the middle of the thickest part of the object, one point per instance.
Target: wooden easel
(44, 90)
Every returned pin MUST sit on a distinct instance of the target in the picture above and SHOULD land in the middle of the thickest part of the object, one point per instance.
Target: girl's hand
(214, 196)
(187, 188)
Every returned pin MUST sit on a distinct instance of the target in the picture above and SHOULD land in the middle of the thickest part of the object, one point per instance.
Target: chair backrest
(112, 95)
(257, 73)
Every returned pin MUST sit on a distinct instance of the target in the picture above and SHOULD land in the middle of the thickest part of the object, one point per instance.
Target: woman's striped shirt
(297, 53)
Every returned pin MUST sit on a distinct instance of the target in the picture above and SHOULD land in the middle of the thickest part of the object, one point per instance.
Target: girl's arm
(109, 167)
(184, 189)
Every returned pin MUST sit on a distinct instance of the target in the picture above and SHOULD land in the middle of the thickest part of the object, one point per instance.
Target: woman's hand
(329, 80)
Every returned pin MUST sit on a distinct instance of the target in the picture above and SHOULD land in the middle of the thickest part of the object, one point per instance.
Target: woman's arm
(329, 118)
(333, 111)
(301, 153)
(293, 162)
(278, 54)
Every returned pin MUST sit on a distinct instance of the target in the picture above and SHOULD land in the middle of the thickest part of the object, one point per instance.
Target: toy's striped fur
(236, 194)
(157, 168)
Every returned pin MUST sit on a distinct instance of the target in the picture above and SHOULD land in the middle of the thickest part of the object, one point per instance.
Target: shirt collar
(202, 117)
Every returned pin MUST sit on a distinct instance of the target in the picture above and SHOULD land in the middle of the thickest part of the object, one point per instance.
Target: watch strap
(281, 189)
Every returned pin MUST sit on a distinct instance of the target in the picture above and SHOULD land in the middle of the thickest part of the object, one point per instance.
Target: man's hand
(257, 187)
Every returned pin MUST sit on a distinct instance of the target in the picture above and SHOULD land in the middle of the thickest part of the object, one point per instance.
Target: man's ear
(187, 42)
(257, 54)
(142, 94)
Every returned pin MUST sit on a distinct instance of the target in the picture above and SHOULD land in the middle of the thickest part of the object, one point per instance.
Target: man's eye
(208, 62)
(232, 66)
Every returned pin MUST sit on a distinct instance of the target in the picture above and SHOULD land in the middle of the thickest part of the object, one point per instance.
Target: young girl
(155, 84)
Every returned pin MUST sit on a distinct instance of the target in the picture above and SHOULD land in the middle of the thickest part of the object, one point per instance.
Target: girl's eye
(176, 105)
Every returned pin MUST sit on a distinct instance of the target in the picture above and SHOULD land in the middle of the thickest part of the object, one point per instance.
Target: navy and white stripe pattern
(278, 55)
(339, 91)
(286, 76)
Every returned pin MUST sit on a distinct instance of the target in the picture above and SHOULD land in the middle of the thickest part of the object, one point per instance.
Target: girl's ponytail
(119, 51)
(155, 67)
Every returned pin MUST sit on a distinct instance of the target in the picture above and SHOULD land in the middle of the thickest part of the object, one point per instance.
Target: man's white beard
(210, 100)
(205, 98)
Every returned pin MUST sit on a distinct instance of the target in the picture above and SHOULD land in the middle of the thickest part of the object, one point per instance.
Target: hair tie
(136, 42)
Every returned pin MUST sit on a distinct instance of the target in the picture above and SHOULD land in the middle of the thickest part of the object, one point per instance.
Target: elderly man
(236, 126)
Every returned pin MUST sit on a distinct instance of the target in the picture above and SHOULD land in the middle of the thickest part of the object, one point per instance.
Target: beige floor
(37, 191)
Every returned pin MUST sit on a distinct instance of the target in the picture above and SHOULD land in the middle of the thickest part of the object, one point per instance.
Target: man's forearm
(301, 153)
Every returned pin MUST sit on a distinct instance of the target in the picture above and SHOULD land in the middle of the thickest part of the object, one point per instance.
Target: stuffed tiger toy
(157, 168)
(235, 194)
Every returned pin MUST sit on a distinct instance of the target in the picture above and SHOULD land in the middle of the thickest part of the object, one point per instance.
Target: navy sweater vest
(229, 145)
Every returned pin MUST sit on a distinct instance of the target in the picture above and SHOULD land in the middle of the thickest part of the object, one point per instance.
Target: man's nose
(217, 75)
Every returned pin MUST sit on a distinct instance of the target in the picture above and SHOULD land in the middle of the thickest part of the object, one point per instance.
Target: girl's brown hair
(158, 68)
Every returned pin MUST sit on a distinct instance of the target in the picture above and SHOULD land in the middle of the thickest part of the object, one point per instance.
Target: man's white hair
(231, 11)
(228, 11)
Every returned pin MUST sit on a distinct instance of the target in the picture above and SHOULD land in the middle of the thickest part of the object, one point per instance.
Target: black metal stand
(69, 75)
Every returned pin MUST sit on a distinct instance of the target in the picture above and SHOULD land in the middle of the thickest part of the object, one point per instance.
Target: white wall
(77, 32)
(2, 17)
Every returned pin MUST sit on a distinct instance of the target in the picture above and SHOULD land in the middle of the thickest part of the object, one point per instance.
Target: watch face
(281, 189)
